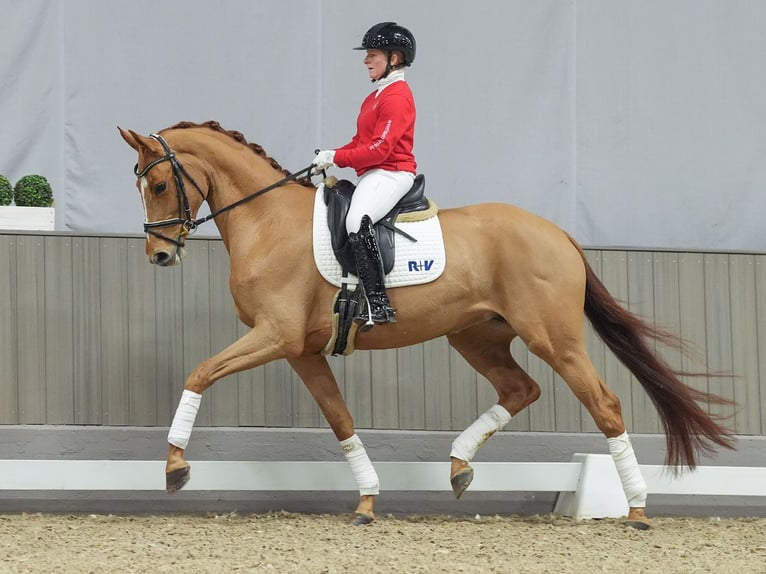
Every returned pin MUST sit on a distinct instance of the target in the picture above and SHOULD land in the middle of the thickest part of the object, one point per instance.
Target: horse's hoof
(461, 480)
(362, 519)
(176, 479)
(637, 519)
(638, 525)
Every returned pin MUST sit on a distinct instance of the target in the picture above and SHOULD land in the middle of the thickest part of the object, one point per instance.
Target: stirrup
(379, 309)
(377, 313)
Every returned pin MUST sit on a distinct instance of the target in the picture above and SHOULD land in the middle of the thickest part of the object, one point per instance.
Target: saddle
(337, 198)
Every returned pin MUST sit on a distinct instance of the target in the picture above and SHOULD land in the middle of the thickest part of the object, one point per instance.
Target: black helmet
(390, 36)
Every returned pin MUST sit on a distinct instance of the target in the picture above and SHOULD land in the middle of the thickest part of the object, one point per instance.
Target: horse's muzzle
(165, 258)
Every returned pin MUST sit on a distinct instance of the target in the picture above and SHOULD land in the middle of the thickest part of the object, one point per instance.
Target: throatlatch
(369, 266)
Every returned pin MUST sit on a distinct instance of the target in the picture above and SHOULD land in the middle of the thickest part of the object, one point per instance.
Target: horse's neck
(273, 212)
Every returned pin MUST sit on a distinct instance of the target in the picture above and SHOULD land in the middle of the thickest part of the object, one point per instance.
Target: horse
(509, 273)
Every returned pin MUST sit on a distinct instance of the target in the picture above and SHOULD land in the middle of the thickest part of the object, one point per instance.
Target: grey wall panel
(718, 325)
(143, 345)
(437, 400)
(744, 343)
(9, 375)
(411, 387)
(90, 333)
(59, 345)
(115, 342)
(760, 312)
(30, 328)
(86, 327)
(385, 390)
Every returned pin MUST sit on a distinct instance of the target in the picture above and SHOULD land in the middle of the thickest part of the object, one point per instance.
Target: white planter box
(13, 217)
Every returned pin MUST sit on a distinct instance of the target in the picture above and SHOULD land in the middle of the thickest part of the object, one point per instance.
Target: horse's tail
(688, 428)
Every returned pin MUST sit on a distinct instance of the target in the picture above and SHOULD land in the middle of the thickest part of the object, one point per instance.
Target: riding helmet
(390, 36)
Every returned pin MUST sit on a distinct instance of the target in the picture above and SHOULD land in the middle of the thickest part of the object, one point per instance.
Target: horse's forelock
(240, 138)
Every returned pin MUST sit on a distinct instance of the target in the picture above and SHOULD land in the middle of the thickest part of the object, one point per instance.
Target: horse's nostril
(161, 258)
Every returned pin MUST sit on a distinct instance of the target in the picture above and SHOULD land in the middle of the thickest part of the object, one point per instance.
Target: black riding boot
(369, 266)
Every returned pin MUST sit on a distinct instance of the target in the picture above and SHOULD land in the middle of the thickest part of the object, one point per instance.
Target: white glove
(324, 159)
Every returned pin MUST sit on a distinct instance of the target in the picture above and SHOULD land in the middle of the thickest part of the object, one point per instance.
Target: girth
(338, 199)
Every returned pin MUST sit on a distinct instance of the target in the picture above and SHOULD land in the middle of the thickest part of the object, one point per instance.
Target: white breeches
(377, 191)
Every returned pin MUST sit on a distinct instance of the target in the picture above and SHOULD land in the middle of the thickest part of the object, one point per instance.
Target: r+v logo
(420, 265)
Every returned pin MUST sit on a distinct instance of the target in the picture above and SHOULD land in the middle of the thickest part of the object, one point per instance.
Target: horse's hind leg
(486, 347)
(316, 374)
(562, 346)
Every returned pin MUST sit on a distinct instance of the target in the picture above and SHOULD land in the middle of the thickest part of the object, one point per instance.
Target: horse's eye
(160, 187)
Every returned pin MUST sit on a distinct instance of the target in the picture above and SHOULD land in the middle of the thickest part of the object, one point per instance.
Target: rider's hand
(324, 159)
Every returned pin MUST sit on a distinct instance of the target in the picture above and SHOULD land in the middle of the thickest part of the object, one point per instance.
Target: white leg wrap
(627, 467)
(469, 441)
(183, 421)
(361, 467)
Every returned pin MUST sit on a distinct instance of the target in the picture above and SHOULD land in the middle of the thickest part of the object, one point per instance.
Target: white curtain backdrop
(630, 124)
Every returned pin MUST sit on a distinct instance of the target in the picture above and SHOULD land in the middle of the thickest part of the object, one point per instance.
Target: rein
(184, 212)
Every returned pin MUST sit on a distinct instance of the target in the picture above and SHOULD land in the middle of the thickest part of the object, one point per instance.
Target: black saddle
(338, 200)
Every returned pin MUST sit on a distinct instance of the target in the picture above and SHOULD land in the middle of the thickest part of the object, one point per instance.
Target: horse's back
(506, 228)
(512, 258)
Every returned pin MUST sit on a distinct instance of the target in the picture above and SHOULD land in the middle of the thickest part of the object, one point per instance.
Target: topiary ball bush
(6, 191)
(33, 191)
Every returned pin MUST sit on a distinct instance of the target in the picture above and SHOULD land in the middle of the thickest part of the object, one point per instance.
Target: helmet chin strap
(389, 68)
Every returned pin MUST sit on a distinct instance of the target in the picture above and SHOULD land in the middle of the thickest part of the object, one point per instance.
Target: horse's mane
(237, 136)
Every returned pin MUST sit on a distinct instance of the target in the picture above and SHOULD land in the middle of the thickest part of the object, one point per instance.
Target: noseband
(185, 218)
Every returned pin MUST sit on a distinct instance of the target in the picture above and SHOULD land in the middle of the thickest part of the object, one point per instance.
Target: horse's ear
(139, 142)
(128, 137)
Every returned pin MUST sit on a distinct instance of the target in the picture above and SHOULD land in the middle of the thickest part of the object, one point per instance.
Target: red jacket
(385, 133)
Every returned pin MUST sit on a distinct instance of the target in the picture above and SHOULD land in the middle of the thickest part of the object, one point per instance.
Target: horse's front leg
(316, 374)
(257, 347)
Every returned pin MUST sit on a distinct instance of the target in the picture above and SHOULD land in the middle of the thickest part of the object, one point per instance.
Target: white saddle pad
(416, 262)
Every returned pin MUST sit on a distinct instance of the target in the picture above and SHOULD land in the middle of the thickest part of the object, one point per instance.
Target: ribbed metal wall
(90, 333)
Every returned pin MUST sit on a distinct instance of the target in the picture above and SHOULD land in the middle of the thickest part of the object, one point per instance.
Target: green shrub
(33, 191)
(6, 191)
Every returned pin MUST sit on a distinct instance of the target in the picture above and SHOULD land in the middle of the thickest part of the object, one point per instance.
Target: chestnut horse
(508, 274)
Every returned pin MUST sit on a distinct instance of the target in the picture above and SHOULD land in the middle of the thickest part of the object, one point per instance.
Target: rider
(381, 153)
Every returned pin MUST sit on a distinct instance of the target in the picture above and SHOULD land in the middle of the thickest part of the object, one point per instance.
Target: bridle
(184, 211)
(185, 218)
